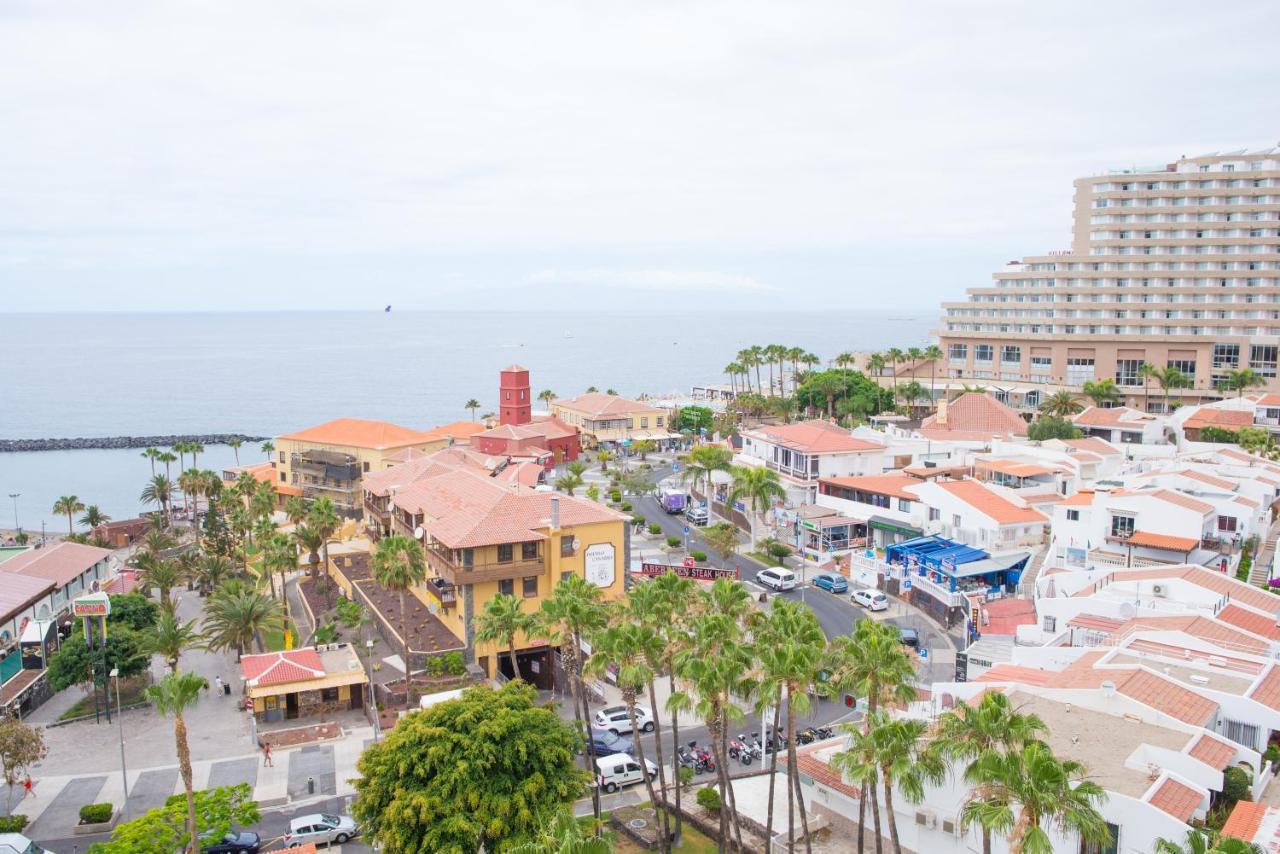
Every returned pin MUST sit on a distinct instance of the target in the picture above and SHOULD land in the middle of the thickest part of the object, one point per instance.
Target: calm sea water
(72, 375)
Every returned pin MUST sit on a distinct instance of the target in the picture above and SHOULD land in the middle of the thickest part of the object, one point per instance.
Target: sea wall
(99, 442)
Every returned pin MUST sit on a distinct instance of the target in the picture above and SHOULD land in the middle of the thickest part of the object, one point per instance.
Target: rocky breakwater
(101, 442)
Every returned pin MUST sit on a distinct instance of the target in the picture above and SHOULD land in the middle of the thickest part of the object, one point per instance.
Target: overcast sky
(261, 155)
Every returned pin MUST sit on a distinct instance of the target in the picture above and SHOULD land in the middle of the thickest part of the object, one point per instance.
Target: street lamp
(124, 776)
(373, 698)
(15, 496)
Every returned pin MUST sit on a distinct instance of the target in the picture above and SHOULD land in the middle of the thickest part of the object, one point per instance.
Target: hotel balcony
(797, 474)
(455, 571)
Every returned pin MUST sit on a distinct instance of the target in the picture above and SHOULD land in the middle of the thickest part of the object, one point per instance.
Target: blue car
(831, 582)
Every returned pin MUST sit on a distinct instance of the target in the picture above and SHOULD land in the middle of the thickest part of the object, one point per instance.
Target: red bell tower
(515, 404)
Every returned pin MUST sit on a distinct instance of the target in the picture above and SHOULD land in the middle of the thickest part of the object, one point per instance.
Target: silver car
(321, 829)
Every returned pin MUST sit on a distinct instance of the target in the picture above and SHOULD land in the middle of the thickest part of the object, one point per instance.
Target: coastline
(114, 442)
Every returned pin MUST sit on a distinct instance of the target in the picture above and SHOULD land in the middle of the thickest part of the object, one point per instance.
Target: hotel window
(957, 352)
(1227, 523)
(644, 421)
(1010, 353)
(1127, 371)
(1241, 733)
(507, 587)
(566, 546)
(983, 352)
(1262, 358)
(659, 421)
(1122, 526)
(504, 553)
(1073, 515)
(529, 586)
(1226, 355)
(1184, 366)
(467, 557)
(528, 551)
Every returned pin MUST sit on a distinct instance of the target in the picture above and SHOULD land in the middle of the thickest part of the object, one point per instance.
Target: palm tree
(268, 448)
(172, 696)
(159, 573)
(704, 461)
(905, 761)
(398, 564)
(93, 517)
(757, 359)
(151, 455)
(565, 835)
(894, 357)
(602, 457)
(295, 509)
(1060, 404)
(234, 443)
(914, 355)
(973, 731)
(170, 637)
(70, 505)
(845, 360)
(731, 371)
(569, 482)
(572, 612)
(1245, 378)
(757, 486)
(195, 449)
(858, 764)
(1170, 378)
(911, 392)
(795, 355)
(309, 540)
(934, 354)
(809, 360)
(190, 482)
(1146, 372)
(829, 385)
(473, 405)
(324, 518)
(1026, 789)
(875, 366)
(180, 448)
(644, 447)
(791, 644)
(237, 616)
(158, 491)
(499, 623)
(1102, 391)
(279, 554)
(1204, 840)
(211, 572)
(168, 458)
(546, 396)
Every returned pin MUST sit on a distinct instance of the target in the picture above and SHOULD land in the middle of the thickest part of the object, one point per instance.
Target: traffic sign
(906, 584)
(689, 562)
(686, 529)
(924, 654)
(675, 467)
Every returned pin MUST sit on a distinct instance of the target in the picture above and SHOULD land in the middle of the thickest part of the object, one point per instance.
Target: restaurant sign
(93, 605)
(698, 573)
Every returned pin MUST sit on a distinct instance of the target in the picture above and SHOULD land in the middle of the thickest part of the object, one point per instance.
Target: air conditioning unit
(926, 819)
(1159, 590)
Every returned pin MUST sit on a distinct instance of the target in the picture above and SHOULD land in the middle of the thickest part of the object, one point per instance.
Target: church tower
(515, 405)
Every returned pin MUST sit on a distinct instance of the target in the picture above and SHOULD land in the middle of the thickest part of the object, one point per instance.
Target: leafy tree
(1052, 427)
(912, 392)
(75, 664)
(164, 830)
(864, 395)
(1257, 440)
(488, 769)
(398, 564)
(704, 461)
(69, 505)
(828, 386)
(603, 457)
(758, 487)
(499, 622)
(694, 418)
(1171, 378)
(172, 696)
(1060, 404)
(473, 405)
(21, 746)
(723, 537)
(1219, 435)
(893, 357)
(133, 610)
(934, 354)
(1102, 391)
(324, 519)
(170, 637)
(547, 395)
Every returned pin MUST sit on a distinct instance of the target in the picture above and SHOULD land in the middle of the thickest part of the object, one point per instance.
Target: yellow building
(329, 459)
(608, 419)
(482, 538)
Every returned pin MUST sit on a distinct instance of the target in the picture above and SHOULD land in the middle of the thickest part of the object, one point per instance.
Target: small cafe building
(306, 682)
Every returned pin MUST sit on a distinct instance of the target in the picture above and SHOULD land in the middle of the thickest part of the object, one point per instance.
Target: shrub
(434, 666)
(709, 799)
(655, 528)
(1235, 785)
(698, 556)
(626, 507)
(95, 813)
(12, 823)
(673, 540)
(779, 550)
(638, 521)
(454, 663)
(615, 496)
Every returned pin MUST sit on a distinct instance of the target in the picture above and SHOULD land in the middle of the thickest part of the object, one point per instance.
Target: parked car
(673, 501)
(909, 637)
(831, 581)
(616, 720)
(872, 600)
(234, 842)
(696, 515)
(16, 843)
(777, 578)
(606, 742)
(321, 829)
(614, 772)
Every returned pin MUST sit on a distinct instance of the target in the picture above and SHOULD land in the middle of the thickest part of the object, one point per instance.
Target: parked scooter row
(697, 758)
(814, 733)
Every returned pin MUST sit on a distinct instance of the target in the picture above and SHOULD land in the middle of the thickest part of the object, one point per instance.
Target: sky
(236, 155)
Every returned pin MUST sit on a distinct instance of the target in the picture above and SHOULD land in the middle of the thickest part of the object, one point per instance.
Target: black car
(606, 743)
(235, 842)
(909, 637)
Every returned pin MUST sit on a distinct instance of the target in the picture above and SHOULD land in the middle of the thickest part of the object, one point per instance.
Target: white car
(321, 829)
(872, 600)
(777, 578)
(616, 720)
(614, 772)
(16, 843)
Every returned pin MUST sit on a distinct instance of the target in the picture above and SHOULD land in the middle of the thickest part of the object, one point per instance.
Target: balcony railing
(457, 572)
(791, 472)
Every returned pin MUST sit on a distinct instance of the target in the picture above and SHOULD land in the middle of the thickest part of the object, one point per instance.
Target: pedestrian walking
(28, 788)
(218, 681)
(266, 755)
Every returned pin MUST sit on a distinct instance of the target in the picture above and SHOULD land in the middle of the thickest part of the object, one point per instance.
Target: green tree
(1241, 380)
(69, 505)
(279, 555)
(1171, 378)
(644, 447)
(172, 696)
(158, 491)
(325, 519)
(1102, 391)
(158, 572)
(758, 488)
(151, 455)
(1146, 373)
(603, 457)
(1052, 427)
(1204, 840)
(905, 762)
(566, 835)
(236, 617)
(499, 623)
(704, 462)
(133, 610)
(569, 482)
(893, 357)
(666, 607)
(971, 732)
(234, 443)
(1021, 792)
(472, 404)
(828, 385)
(1255, 440)
(547, 395)
(268, 447)
(310, 542)
(859, 764)
(75, 664)
(723, 537)
(21, 746)
(489, 769)
(911, 392)
(694, 418)
(398, 564)
(934, 354)
(165, 830)
(1060, 404)
(93, 517)
(170, 637)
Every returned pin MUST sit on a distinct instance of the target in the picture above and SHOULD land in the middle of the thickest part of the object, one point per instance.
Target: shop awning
(893, 526)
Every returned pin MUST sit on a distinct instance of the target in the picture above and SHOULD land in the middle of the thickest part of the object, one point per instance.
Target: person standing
(266, 754)
(218, 681)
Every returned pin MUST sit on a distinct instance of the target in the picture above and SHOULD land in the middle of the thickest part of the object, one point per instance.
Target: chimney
(555, 513)
(941, 418)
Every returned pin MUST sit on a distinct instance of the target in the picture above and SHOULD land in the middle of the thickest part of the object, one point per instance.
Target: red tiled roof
(1214, 629)
(276, 668)
(1013, 468)
(1083, 498)
(1176, 799)
(809, 765)
(1017, 673)
(989, 503)
(1116, 416)
(1245, 820)
(881, 484)
(814, 437)
(60, 564)
(1208, 579)
(1251, 621)
(539, 428)
(1209, 416)
(18, 591)
(1179, 498)
(594, 404)
(1213, 752)
(359, 433)
(1159, 693)
(1096, 623)
(1003, 616)
(1269, 400)
(976, 412)
(1267, 692)
(457, 430)
(1166, 542)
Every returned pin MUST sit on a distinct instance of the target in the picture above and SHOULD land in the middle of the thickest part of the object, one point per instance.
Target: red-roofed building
(303, 682)
(609, 420)
(808, 451)
(519, 434)
(1255, 823)
(1119, 425)
(973, 417)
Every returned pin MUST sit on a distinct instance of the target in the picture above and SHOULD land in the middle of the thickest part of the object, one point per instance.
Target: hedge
(96, 813)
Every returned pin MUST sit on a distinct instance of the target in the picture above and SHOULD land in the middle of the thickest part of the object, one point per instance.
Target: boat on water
(387, 309)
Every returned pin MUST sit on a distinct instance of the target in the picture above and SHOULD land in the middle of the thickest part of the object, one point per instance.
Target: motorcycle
(692, 757)
(738, 750)
(751, 750)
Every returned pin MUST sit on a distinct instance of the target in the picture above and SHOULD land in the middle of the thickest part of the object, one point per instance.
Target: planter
(101, 827)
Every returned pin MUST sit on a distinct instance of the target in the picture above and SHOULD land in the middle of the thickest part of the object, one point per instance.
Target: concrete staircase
(1027, 583)
(1260, 571)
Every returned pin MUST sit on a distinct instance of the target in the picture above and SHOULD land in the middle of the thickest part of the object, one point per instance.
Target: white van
(777, 578)
(614, 772)
(16, 843)
(872, 600)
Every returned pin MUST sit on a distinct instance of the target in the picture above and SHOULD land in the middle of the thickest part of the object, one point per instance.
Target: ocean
(121, 374)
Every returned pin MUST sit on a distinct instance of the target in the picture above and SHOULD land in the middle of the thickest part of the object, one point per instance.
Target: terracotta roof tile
(1245, 820)
(1176, 799)
(595, 404)
(1251, 621)
(275, 668)
(1096, 623)
(1269, 400)
(359, 433)
(1095, 444)
(1247, 502)
(1116, 416)
(1213, 752)
(1165, 696)
(1267, 692)
(1017, 673)
(976, 412)
(881, 484)
(815, 437)
(808, 764)
(1209, 416)
(1014, 468)
(1083, 498)
(1166, 542)
(17, 591)
(990, 503)
(60, 564)
(1180, 499)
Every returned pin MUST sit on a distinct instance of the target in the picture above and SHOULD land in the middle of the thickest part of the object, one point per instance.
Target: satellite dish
(418, 532)
(1126, 610)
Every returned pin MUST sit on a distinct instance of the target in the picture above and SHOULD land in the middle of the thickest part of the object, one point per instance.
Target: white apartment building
(807, 451)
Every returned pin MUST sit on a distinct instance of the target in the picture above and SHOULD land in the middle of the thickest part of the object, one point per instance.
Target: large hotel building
(1175, 265)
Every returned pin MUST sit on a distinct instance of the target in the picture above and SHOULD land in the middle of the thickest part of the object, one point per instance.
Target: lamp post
(124, 776)
(373, 697)
(15, 496)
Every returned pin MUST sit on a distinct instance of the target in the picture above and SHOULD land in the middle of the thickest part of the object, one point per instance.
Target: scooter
(738, 749)
(751, 751)
(705, 757)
